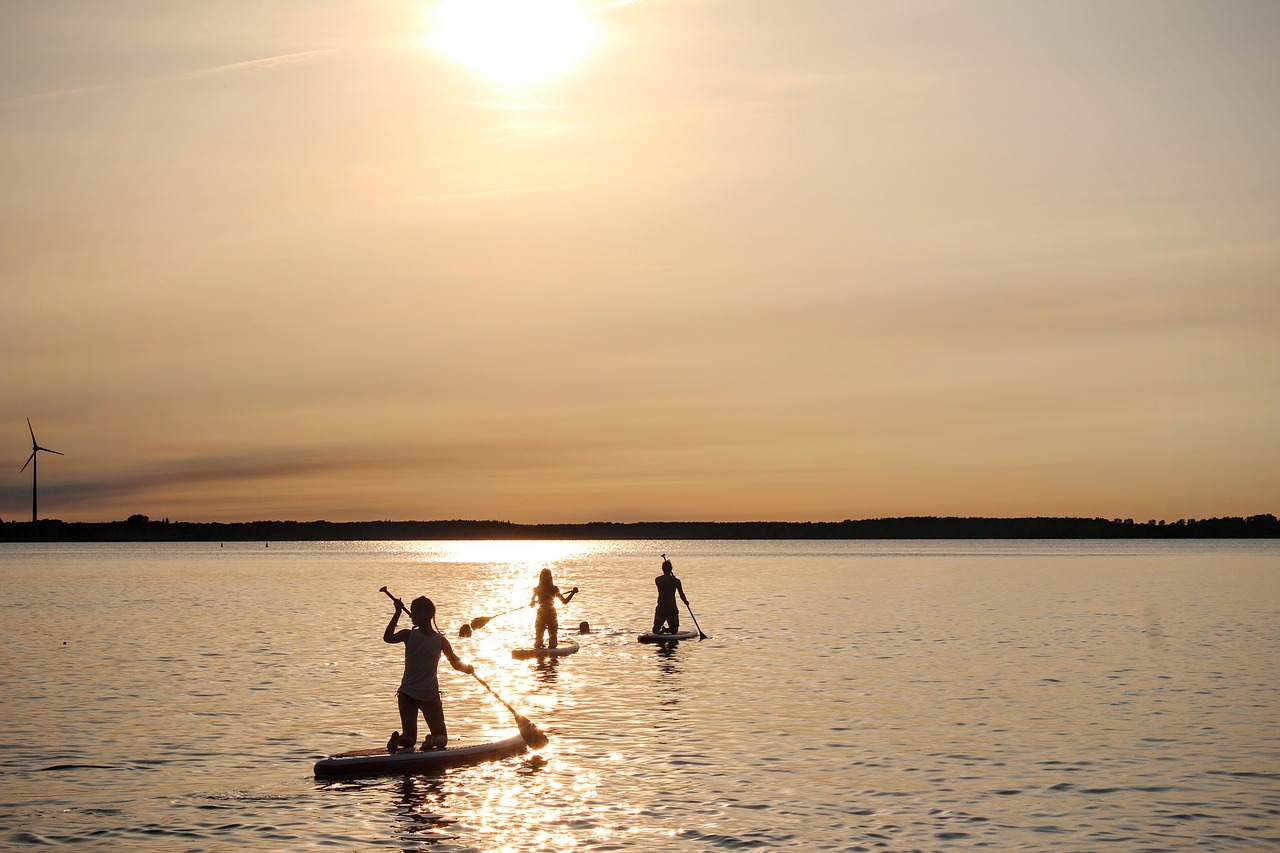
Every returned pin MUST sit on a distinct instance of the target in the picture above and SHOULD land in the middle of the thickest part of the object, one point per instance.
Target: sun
(516, 44)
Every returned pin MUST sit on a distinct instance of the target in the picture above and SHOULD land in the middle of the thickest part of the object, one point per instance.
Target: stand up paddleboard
(668, 638)
(379, 762)
(558, 651)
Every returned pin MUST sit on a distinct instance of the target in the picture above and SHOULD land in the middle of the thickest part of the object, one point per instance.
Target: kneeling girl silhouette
(419, 687)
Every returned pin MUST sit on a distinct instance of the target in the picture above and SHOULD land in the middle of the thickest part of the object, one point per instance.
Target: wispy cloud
(265, 63)
(305, 56)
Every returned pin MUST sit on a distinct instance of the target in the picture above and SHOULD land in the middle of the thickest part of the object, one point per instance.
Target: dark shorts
(668, 617)
(432, 711)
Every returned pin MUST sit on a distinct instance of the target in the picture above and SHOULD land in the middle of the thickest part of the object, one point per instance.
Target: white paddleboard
(667, 638)
(558, 651)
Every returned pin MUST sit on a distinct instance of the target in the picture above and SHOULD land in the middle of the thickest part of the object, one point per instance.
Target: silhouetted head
(544, 577)
(464, 631)
(422, 611)
(584, 627)
(666, 567)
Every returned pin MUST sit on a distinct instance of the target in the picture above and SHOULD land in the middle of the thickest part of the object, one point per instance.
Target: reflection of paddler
(666, 616)
(545, 595)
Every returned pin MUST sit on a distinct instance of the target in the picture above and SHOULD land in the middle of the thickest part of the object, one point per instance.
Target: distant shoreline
(139, 528)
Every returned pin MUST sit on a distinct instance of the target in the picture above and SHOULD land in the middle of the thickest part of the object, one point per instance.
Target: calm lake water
(852, 696)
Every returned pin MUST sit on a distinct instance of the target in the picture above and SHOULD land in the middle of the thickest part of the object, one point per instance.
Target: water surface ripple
(853, 696)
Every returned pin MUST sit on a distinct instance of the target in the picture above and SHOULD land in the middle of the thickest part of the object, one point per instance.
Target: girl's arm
(569, 597)
(391, 635)
(452, 656)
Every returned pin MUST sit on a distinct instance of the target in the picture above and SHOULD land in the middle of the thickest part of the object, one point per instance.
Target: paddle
(701, 636)
(532, 735)
(480, 621)
(392, 597)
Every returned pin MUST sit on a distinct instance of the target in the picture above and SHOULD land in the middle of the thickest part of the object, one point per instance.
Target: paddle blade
(479, 622)
(532, 735)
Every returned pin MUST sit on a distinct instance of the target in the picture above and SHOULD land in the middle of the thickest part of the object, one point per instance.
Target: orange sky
(649, 260)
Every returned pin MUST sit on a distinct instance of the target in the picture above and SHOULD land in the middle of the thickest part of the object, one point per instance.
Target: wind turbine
(31, 460)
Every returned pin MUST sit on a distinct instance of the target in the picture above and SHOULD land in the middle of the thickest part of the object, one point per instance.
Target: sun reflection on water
(502, 551)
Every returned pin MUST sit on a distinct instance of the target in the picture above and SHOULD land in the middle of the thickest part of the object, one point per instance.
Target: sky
(553, 261)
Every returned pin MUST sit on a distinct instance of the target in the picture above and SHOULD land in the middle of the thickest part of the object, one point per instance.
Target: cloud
(265, 63)
(187, 475)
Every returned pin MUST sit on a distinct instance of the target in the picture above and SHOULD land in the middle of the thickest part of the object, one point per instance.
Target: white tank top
(421, 656)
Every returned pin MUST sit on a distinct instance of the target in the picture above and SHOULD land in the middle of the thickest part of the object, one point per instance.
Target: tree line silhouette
(140, 528)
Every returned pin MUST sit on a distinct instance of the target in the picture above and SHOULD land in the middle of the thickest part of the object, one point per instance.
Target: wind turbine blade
(32, 431)
(28, 462)
(47, 450)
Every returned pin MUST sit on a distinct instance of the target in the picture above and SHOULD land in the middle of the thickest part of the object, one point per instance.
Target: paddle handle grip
(392, 597)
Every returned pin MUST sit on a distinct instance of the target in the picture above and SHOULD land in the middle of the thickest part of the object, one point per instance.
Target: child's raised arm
(391, 635)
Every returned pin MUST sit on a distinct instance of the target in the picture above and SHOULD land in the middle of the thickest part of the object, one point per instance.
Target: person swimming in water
(420, 687)
(666, 616)
(546, 622)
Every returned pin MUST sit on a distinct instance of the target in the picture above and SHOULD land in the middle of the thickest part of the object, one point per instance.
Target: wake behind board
(667, 638)
(558, 651)
(379, 762)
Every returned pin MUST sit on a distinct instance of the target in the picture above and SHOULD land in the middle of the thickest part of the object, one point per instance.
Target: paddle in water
(532, 735)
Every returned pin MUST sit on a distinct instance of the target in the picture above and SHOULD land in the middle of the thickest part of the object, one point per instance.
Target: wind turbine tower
(32, 460)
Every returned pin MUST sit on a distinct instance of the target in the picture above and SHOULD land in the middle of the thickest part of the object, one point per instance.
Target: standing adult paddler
(666, 616)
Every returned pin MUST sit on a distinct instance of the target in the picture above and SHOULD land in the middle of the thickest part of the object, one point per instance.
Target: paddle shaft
(393, 598)
(486, 686)
(701, 636)
(480, 621)
(532, 734)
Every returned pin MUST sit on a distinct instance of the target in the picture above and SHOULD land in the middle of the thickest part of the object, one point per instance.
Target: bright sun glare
(514, 43)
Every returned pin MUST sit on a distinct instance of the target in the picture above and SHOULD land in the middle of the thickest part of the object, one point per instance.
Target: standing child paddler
(546, 622)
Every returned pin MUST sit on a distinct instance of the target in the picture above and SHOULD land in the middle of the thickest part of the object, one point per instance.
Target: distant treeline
(140, 528)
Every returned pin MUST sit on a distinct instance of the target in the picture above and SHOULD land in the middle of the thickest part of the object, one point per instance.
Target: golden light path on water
(501, 576)
(509, 552)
